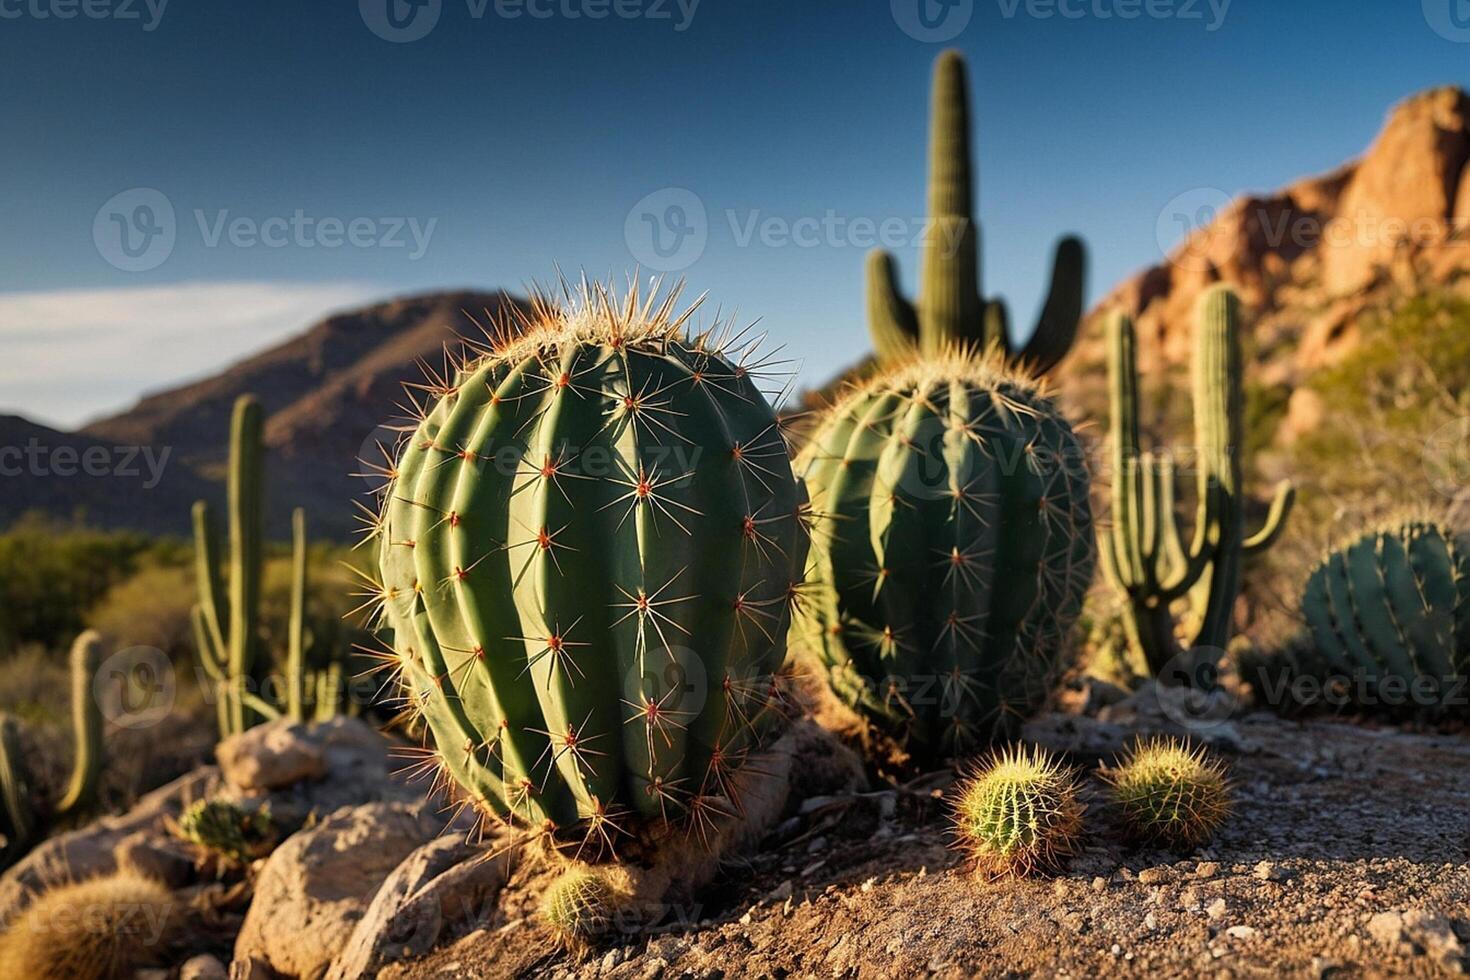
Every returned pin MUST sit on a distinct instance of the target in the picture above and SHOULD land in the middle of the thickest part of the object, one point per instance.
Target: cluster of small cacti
(1022, 810)
(952, 551)
(590, 549)
(95, 929)
(23, 815)
(1143, 554)
(1393, 606)
(227, 626)
(223, 827)
(951, 311)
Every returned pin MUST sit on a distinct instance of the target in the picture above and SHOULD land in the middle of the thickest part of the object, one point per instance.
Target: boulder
(317, 886)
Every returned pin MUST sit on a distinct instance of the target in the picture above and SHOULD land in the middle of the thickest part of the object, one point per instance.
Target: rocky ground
(1348, 855)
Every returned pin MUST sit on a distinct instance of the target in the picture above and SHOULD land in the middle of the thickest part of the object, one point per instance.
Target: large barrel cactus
(589, 550)
(951, 553)
(1395, 604)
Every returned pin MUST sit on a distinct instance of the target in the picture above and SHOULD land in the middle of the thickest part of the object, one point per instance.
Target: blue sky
(311, 164)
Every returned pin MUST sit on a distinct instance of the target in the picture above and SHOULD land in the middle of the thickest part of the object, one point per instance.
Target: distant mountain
(325, 392)
(1311, 258)
(96, 480)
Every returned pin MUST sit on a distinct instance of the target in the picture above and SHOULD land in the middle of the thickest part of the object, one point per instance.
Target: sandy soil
(1348, 855)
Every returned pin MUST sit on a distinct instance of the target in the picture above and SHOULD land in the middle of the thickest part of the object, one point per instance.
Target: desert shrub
(1396, 415)
(149, 608)
(54, 572)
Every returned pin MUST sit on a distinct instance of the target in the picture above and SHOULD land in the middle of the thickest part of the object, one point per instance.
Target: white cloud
(72, 355)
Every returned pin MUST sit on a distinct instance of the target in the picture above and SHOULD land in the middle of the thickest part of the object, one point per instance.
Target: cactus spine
(1019, 813)
(1395, 603)
(951, 309)
(22, 816)
(952, 553)
(227, 637)
(589, 549)
(1143, 554)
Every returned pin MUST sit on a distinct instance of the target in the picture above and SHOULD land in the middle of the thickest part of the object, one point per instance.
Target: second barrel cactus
(951, 553)
(1395, 603)
(589, 549)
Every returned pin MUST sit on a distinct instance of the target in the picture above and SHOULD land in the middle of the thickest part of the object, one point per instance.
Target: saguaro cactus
(589, 550)
(1143, 554)
(227, 637)
(952, 553)
(22, 815)
(1395, 603)
(951, 310)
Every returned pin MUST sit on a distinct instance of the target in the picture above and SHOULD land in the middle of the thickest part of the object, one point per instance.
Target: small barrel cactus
(94, 929)
(225, 828)
(589, 550)
(1170, 793)
(1019, 813)
(579, 907)
(951, 553)
(1393, 608)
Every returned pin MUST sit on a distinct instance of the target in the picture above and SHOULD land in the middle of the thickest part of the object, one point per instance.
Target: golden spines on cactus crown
(589, 551)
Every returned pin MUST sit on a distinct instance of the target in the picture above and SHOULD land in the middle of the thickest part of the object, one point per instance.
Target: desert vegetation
(630, 670)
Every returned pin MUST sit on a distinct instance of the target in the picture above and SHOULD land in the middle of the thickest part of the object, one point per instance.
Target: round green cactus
(225, 828)
(1171, 793)
(579, 906)
(1393, 607)
(951, 553)
(589, 550)
(1019, 813)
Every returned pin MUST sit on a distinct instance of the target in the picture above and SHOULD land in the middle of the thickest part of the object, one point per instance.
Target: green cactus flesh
(227, 623)
(589, 550)
(1143, 554)
(224, 827)
(1019, 813)
(1394, 603)
(951, 311)
(951, 553)
(1169, 792)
